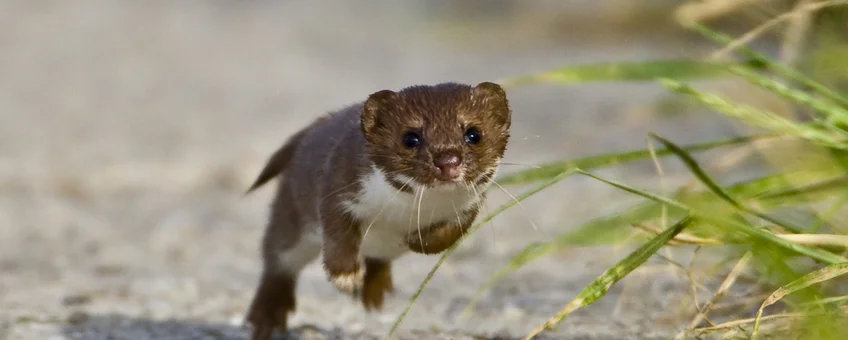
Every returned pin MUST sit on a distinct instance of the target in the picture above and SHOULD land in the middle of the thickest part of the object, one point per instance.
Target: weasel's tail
(278, 162)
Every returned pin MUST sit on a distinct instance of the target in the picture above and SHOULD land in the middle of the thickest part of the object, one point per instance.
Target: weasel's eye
(411, 140)
(472, 136)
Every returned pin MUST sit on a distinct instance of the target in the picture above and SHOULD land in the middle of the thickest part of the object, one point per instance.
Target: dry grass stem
(817, 239)
(725, 285)
(741, 322)
(764, 27)
(793, 39)
(682, 238)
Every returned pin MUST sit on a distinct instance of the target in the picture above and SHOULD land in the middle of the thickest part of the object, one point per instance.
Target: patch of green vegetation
(798, 260)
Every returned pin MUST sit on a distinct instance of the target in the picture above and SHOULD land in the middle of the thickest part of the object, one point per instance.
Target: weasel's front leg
(441, 236)
(345, 267)
(378, 280)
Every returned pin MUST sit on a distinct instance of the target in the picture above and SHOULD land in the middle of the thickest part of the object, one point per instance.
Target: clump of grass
(602, 284)
(624, 71)
(744, 215)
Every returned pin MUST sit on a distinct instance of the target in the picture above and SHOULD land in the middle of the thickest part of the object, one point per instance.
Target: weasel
(402, 171)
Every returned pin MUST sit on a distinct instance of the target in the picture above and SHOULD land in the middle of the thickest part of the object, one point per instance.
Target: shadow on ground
(113, 326)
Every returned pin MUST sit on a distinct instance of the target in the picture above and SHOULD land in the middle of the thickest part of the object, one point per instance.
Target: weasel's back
(312, 147)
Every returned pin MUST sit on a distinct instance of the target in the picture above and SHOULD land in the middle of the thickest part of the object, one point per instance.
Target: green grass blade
(717, 189)
(732, 225)
(834, 113)
(470, 231)
(696, 169)
(825, 187)
(591, 232)
(805, 281)
(602, 284)
(622, 71)
(830, 300)
(643, 193)
(549, 170)
(601, 230)
(779, 68)
(763, 119)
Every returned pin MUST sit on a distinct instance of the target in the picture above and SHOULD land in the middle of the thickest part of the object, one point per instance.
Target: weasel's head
(437, 136)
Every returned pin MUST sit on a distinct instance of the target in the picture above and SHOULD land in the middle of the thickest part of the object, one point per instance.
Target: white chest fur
(388, 215)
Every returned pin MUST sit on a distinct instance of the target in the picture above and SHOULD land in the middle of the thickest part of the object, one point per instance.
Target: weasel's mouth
(442, 183)
(456, 177)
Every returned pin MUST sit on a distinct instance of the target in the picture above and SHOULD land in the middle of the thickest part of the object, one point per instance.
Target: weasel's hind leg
(275, 297)
(273, 302)
(378, 280)
(288, 246)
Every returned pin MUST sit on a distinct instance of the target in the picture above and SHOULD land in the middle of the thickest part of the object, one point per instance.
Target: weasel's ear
(376, 103)
(492, 97)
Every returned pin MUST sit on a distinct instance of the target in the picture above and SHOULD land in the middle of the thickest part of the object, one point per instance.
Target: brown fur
(278, 299)
(378, 280)
(323, 165)
(439, 113)
(435, 239)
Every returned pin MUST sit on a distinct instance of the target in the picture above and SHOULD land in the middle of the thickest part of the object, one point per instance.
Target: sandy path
(129, 132)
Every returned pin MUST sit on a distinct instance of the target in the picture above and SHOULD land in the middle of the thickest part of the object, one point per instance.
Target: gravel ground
(129, 130)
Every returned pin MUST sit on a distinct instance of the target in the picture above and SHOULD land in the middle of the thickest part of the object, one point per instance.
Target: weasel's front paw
(433, 240)
(349, 282)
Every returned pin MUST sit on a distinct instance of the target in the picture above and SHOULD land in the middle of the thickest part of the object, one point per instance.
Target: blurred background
(130, 129)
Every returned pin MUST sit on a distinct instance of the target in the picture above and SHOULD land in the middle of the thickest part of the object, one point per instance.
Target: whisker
(487, 175)
(477, 194)
(534, 166)
(409, 225)
(458, 220)
(357, 182)
(339, 190)
(482, 204)
(533, 224)
(473, 187)
(383, 207)
(420, 238)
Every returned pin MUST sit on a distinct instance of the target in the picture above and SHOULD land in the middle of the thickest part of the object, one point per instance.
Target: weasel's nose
(448, 164)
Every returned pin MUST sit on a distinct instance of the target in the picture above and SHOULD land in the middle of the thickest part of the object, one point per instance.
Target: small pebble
(78, 317)
(76, 300)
